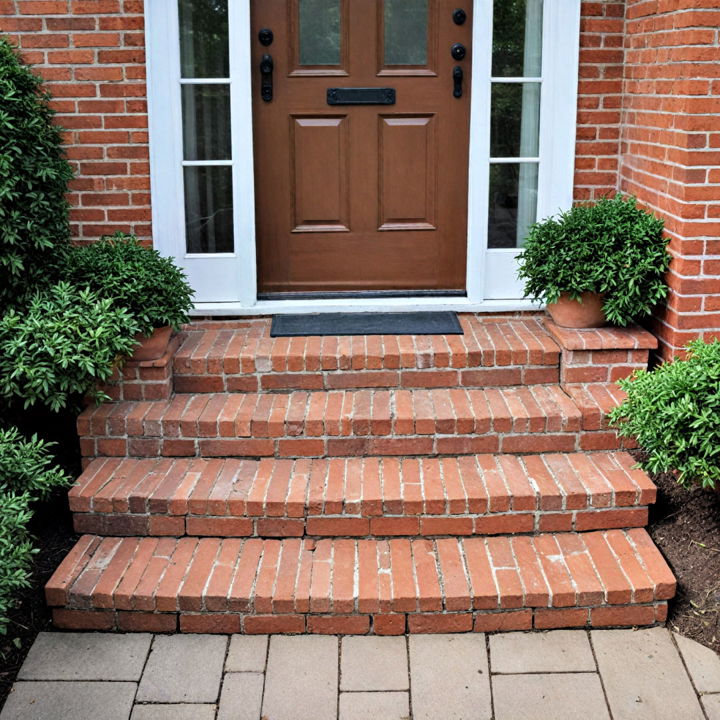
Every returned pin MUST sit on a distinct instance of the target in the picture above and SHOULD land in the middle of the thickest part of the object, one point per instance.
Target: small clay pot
(153, 346)
(584, 313)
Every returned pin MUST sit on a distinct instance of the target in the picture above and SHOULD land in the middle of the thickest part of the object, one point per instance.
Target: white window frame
(236, 273)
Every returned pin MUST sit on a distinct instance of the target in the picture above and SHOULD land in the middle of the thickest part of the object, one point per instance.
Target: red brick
(389, 624)
(339, 624)
(218, 623)
(147, 622)
(440, 623)
(625, 616)
(273, 624)
(83, 619)
(503, 621)
(561, 618)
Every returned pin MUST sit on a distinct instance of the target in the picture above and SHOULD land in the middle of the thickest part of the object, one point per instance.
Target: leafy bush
(674, 412)
(61, 345)
(612, 247)
(27, 473)
(34, 175)
(150, 286)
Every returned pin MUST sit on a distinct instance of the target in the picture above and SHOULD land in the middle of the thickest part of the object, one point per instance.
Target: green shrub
(674, 412)
(34, 175)
(27, 473)
(612, 247)
(150, 286)
(59, 347)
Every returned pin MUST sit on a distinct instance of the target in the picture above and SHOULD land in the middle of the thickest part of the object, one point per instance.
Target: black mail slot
(361, 96)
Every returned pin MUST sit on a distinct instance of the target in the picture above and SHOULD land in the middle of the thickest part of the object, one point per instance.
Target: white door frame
(561, 37)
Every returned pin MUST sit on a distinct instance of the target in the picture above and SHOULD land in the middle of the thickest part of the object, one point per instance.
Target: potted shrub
(597, 263)
(150, 286)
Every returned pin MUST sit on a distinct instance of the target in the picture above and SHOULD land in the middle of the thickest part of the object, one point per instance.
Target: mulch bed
(53, 532)
(685, 525)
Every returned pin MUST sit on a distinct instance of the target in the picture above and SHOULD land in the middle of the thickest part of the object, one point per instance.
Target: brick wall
(91, 53)
(599, 98)
(670, 151)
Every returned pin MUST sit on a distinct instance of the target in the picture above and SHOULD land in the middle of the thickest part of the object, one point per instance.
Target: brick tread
(536, 418)
(484, 494)
(295, 585)
(241, 356)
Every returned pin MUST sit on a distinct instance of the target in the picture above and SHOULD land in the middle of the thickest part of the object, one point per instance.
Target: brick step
(610, 578)
(241, 356)
(359, 497)
(537, 418)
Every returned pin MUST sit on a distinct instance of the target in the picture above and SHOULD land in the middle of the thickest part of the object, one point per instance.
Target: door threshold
(354, 304)
(360, 295)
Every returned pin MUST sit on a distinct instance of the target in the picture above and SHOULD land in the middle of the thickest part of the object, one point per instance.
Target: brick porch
(376, 484)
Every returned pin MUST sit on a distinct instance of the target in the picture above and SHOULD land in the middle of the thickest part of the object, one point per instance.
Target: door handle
(266, 78)
(457, 81)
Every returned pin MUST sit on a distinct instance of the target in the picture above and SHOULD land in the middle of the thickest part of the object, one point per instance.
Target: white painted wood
(558, 118)
(226, 283)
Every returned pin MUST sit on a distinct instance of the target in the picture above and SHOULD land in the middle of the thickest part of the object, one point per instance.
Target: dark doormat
(398, 323)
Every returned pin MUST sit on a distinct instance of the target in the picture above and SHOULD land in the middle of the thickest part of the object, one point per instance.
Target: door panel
(361, 197)
(319, 159)
(408, 165)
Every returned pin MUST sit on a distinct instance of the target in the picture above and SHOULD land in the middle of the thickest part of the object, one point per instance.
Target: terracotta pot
(570, 313)
(153, 346)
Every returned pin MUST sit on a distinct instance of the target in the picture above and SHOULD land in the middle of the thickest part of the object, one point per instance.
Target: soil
(685, 525)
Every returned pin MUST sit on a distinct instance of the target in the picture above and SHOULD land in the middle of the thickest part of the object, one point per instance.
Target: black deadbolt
(458, 51)
(265, 36)
(459, 16)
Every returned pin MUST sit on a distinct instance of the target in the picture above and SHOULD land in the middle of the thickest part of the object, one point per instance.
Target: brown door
(361, 197)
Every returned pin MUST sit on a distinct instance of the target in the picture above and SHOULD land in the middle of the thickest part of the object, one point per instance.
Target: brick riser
(356, 423)
(474, 495)
(245, 358)
(613, 578)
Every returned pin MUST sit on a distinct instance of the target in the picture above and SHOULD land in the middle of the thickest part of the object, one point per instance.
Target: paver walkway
(558, 675)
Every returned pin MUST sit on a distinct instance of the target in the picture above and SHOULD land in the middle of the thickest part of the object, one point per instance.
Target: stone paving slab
(555, 651)
(72, 700)
(644, 676)
(374, 706)
(374, 663)
(556, 696)
(558, 675)
(184, 668)
(174, 712)
(86, 656)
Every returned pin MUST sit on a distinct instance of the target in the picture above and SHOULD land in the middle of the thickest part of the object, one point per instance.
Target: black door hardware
(266, 37)
(360, 96)
(457, 81)
(458, 51)
(459, 16)
(266, 78)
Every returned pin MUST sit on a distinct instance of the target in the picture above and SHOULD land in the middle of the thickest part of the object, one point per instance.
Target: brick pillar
(670, 152)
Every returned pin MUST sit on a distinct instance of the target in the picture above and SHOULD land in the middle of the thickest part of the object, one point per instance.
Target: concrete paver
(374, 706)
(558, 675)
(86, 656)
(711, 703)
(247, 653)
(77, 700)
(174, 712)
(644, 676)
(374, 663)
(302, 678)
(241, 697)
(560, 696)
(555, 651)
(702, 664)
(450, 678)
(183, 668)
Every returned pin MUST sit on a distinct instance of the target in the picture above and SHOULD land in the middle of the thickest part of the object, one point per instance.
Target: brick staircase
(376, 484)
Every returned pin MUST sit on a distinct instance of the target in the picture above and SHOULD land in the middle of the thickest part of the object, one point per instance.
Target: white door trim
(561, 33)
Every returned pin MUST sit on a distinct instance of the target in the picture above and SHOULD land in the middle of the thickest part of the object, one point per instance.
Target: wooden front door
(361, 197)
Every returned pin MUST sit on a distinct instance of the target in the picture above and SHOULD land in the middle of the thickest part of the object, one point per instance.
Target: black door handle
(266, 75)
(457, 81)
